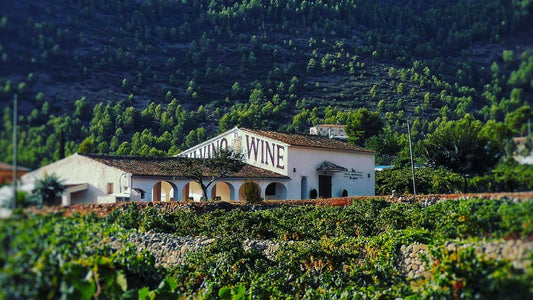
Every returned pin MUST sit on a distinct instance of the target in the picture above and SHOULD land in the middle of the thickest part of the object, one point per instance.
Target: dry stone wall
(411, 264)
(410, 261)
(168, 250)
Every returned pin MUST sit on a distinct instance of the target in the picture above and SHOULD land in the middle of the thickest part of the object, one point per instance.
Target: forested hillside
(156, 77)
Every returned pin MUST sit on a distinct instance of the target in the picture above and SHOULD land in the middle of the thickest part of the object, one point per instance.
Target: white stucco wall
(78, 169)
(306, 161)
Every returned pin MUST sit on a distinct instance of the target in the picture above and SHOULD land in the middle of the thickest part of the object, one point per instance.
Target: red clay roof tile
(169, 166)
(306, 140)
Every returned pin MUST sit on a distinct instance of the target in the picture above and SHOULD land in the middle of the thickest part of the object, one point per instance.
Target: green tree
(82, 110)
(523, 76)
(87, 146)
(387, 144)
(168, 96)
(302, 121)
(401, 88)
(361, 125)
(235, 89)
(428, 181)
(462, 147)
(516, 121)
(205, 171)
(311, 65)
(508, 56)
(40, 98)
(374, 91)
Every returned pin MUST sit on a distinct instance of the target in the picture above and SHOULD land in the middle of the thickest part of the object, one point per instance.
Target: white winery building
(285, 166)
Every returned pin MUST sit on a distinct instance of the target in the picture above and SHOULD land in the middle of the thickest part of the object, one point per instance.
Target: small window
(143, 195)
(110, 188)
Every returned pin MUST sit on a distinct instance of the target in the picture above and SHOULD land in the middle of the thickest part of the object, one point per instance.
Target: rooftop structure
(330, 131)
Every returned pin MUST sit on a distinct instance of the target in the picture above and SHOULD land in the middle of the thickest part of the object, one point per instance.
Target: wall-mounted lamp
(368, 175)
(294, 170)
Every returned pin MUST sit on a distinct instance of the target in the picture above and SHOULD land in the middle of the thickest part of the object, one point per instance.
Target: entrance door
(324, 186)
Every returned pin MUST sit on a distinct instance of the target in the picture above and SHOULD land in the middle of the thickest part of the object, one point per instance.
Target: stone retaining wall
(411, 264)
(168, 249)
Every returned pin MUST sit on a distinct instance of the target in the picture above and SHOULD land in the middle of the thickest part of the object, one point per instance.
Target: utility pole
(15, 152)
(529, 128)
(411, 154)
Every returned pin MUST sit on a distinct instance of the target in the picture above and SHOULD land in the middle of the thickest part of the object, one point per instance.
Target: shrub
(428, 181)
(252, 193)
(313, 194)
(48, 190)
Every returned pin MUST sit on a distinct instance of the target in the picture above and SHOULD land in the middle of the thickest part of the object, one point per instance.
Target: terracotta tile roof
(306, 140)
(249, 171)
(169, 166)
(4, 166)
(521, 140)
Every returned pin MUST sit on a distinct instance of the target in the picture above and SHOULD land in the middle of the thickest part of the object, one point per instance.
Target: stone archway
(223, 191)
(163, 191)
(241, 193)
(192, 191)
(276, 191)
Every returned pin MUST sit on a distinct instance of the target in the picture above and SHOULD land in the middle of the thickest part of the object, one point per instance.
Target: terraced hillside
(156, 77)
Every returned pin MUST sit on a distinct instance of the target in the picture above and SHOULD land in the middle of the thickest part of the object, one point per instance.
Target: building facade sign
(265, 153)
(258, 151)
(206, 150)
(354, 175)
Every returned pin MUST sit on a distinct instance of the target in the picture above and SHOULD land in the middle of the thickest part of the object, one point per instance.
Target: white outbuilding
(285, 166)
(331, 167)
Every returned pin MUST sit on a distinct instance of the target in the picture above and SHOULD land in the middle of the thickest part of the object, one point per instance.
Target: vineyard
(349, 251)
